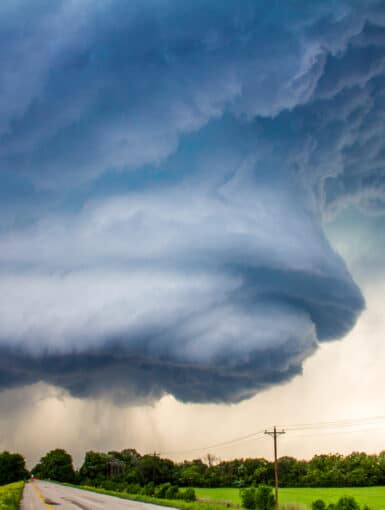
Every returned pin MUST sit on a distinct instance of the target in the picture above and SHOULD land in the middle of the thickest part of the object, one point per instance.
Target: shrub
(248, 498)
(108, 485)
(172, 492)
(319, 504)
(347, 503)
(160, 490)
(188, 494)
(134, 488)
(264, 498)
(149, 489)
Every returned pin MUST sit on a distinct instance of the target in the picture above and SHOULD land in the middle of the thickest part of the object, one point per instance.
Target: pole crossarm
(278, 432)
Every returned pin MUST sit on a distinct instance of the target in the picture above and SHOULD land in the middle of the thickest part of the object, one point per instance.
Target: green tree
(56, 465)
(12, 468)
(193, 473)
(94, 468)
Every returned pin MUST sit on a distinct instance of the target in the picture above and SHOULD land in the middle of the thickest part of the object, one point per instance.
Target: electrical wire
(231, 442)
(336, 424)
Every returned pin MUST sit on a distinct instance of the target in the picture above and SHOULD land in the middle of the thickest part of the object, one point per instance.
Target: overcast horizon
(192, 213)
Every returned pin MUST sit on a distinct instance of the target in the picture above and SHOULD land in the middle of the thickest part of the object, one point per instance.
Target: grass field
(10, 496)
(374, 497)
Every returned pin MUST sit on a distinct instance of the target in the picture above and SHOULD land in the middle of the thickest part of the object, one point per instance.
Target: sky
(192, 200)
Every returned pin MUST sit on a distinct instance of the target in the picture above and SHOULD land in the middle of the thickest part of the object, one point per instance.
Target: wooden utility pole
(274, 433)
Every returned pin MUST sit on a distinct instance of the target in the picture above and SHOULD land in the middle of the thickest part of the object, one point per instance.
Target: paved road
(50, 496)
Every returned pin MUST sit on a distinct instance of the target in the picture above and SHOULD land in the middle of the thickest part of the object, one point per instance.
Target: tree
(155, 469)
(193, 473)
(12, 468)
(264, 498)
(56, 465)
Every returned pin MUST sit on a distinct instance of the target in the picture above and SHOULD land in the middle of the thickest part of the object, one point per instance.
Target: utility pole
(274, 433)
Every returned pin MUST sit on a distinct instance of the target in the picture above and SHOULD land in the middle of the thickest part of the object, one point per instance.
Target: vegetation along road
(49, 496)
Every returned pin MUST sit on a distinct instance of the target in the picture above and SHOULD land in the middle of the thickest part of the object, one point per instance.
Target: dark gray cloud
(206, 145)
(136, 379)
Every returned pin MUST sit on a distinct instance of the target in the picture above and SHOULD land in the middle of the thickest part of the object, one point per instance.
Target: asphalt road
(40, 495)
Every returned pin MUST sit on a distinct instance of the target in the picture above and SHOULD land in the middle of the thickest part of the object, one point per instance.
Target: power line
(332, 432)
(343, 423)
(217, 445)
(336, 423)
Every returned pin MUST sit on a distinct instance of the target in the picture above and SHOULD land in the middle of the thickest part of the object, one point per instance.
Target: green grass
(10, 496)
(374, 497)
(220, 494)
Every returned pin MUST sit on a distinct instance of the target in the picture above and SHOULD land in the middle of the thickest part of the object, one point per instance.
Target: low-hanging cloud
(210, 304)
(236, 131)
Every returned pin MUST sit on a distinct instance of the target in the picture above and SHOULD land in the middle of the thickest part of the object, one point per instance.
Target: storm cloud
(184, 159)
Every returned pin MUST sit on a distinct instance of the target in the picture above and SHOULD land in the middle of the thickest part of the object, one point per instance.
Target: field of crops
(10, 496)
(374, 497)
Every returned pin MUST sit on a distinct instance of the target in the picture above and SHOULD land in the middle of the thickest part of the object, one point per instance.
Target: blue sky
(181, 186)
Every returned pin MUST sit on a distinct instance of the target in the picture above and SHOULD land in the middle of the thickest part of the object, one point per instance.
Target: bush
(319, 504)
(248, 498)
(347, 503)
(160, 491)
(172, 492)
(108, 485)
(149, 489)
(188, 494)
(264, 498)
(134, 488)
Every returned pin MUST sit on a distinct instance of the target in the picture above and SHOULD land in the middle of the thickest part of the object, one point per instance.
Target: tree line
(354, 470)
(128, 470)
